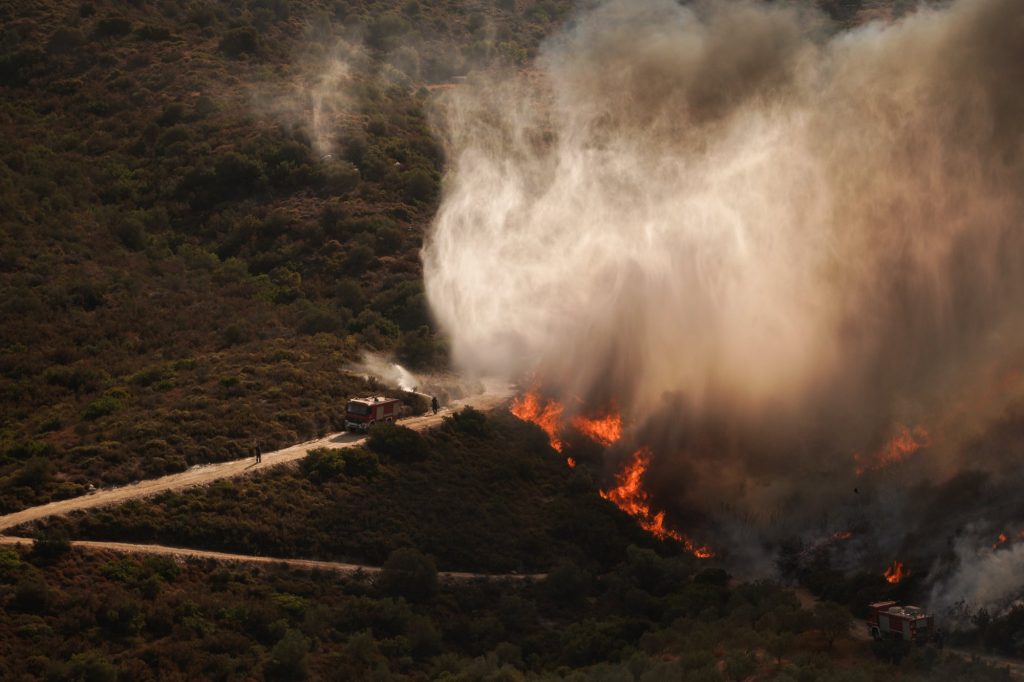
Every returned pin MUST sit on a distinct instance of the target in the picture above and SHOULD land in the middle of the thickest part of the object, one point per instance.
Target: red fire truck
(362, 413)
(891, 621)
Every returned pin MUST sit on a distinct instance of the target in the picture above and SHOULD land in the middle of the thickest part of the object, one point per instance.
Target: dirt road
(203, 474)
(224, 557)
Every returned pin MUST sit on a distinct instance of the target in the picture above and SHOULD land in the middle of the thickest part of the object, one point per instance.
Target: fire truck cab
(362, 413)
(891, 621)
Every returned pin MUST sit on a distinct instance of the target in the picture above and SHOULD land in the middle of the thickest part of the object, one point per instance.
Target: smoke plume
(770, 244)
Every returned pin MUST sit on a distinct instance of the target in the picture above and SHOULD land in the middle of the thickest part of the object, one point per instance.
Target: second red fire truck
(891, 621)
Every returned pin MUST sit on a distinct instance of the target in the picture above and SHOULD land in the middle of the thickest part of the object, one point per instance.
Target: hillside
(212, 215)
(190, 259)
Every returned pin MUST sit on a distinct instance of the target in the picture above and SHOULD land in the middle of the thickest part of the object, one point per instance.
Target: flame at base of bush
(896, 572)
(547, 415)
(630, 497)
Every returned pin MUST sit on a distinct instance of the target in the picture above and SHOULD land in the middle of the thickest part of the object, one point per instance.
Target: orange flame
(605, 430)
(547, 416)
(900, 446)
(1000, 541)
(896, 572)
(842, 535)
(629, 496)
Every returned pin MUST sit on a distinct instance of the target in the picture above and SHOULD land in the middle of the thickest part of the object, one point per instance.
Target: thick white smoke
(777, 239)
(718, 199)
(984, 577)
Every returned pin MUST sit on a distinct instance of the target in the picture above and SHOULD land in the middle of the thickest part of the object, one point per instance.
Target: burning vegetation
(896, 573)
(843, 303)
(605, 430)
(547, 414)
(629, 495)
(905, 443)
(1004, 540)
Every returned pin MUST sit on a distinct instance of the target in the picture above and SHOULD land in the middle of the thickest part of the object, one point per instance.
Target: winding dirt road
(207, 473)
(224, 557)
(201, 475)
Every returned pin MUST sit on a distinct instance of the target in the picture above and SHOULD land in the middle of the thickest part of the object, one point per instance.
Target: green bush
(384, 29)
(112, 27)
(420, 185)
(360, 462)
(236, 175)
(338, 178)
(418, 348)
(318, 320)
(24, 450)
(102, 407)
(32, 595)
(50, 545)
(10, 564)
(18, 67)
(397, 442)
(131, 233)
(76, 377)
(359, 259)
(240, 41)
(409, 573)
(323, 464)
(65, 39)
(567, 584)
(173, 113)
(36, 472)
(91, 666)
(154, 33)
(289, 657)
(469, 421)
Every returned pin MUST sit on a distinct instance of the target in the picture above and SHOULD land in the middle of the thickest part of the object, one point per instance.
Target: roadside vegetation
(74, 615)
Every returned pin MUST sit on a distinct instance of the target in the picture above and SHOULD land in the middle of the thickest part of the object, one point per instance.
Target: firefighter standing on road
(433, 404)
(256, 451)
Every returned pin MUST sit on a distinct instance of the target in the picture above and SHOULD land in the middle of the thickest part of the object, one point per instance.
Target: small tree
(420, 185)
(567, 584)
(360, 462)
(239, 41)
(397, 442)
(777, 644)
(50, 545)
(288, 657)
(32, 594)
(322, 464)
(468, 421)
(113, 27)
(409, 573)
(832, 620)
